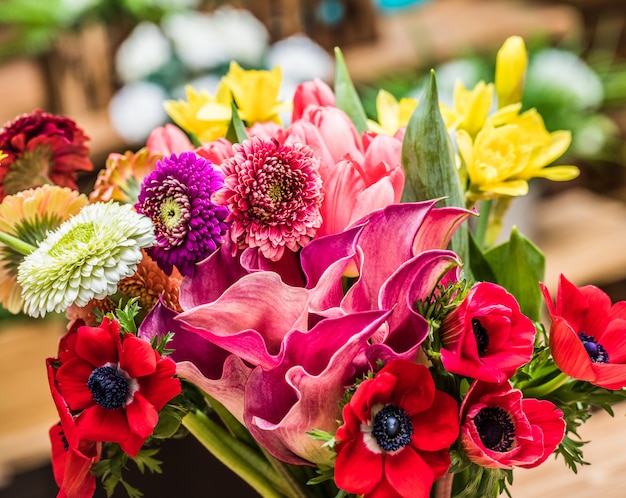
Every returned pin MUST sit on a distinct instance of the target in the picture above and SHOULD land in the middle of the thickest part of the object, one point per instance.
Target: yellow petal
(512, 188)
(559, 173)
(511, 63)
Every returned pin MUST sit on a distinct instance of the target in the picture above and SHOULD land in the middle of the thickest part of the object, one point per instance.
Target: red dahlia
(41, 149)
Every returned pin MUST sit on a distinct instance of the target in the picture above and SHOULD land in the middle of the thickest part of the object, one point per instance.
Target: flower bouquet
(323, 304)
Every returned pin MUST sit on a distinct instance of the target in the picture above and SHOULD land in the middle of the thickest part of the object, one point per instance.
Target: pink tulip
(167, 140)
(316, 93)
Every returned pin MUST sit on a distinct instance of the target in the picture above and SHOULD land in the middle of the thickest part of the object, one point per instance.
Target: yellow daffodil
(471, 107)
(392, 114)
(205, 116)
(546, 148)
(256, 93)
(494, 160)
(511, 63)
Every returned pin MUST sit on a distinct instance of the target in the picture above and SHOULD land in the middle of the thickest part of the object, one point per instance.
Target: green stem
(295, 490)
(483, 221)
(233, 425)
(17, 244)
(237, 456)
(545, 388)
(496, 220)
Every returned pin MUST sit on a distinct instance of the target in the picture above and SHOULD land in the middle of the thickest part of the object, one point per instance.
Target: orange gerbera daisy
(28, 216)
(121, 178)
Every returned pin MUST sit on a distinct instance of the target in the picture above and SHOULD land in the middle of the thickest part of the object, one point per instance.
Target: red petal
(408, 474)
(161, 387)
(357, 469)
(99, 424)
(142, 417)
(96, 345)
(438, 427)
(137, 358)
(610, 375)
(72, 377)
(568, 351)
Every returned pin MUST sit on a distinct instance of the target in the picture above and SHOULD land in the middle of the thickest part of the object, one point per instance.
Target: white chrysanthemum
(84, 258)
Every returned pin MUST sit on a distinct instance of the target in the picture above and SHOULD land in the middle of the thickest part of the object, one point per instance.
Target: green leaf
(236, 130)
(169, 422)
(346, 95)
(479, 265)
(430, 166)
(519, 266)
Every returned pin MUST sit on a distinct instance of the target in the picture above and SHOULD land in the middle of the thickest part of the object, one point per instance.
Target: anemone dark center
(481, 335)
(596, 351)
(495, 428)
(392, 428)
(109, 387)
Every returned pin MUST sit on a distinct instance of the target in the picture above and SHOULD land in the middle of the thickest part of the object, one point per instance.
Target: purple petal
(213, 276)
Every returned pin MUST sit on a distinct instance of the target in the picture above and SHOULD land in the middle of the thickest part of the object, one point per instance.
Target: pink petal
(246, 319)
(301, 392)
(167, 140)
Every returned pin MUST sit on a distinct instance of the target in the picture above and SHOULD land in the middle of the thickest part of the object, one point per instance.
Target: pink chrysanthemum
(274, 193)
(41, 149)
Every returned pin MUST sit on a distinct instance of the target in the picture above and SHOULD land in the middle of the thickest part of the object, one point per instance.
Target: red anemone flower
(486, 337)
(396, 434)
(72, 455)
(588, 334)
(500, 429)
(114, 383)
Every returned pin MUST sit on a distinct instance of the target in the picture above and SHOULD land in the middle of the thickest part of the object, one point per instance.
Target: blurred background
(109, 65)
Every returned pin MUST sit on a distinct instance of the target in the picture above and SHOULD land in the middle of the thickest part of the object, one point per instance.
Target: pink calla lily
(246, 320)
(301, 392)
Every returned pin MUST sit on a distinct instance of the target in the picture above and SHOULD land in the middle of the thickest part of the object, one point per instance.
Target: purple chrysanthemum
(188, 226)
(274, 192)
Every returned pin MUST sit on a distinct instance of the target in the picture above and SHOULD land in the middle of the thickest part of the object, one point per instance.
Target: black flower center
(495, 428)
(109, 387)
(481, 335)
(596, 351)
(392, 428)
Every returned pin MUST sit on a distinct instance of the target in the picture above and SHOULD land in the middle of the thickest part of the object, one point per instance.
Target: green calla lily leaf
(429, 163)
(347, 98)
(518, 266)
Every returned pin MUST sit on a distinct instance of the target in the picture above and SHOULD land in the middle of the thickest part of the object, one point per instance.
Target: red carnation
(114, 383)
(41, 149)
(396, 433)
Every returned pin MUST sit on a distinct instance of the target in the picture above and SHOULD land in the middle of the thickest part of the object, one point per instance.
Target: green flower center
(78, 235)
(170, 213)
